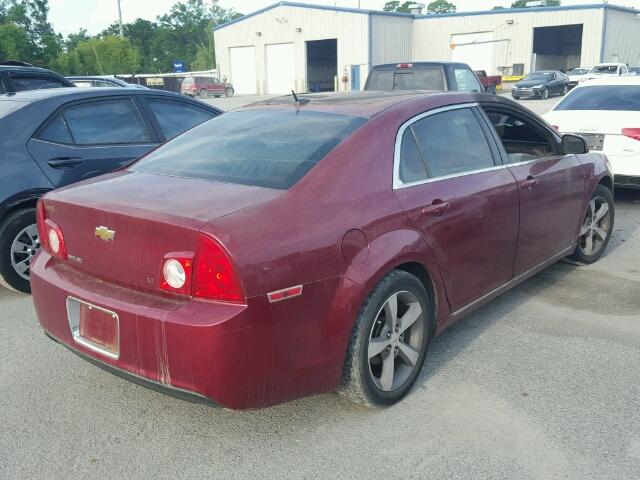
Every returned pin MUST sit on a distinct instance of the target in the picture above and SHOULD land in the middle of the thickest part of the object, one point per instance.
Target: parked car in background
(204, 87)
(576, 75)
(607, 70)
(541, 84)
(102, 82)
(441, 76)
(207, 267)
(606, 112)
(20, 76)
(634, 71)
(489, 82)
(51, 138)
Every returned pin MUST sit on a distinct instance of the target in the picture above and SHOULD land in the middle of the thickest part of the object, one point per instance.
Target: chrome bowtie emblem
(103, 233)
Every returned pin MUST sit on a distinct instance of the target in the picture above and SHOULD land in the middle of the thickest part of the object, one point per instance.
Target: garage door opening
(322, 65)
(557, 48)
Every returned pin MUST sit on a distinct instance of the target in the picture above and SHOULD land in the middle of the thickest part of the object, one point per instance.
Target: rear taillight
(404, 65)
(213, 274)
(631, 133)
(51, 238)
(209, 274)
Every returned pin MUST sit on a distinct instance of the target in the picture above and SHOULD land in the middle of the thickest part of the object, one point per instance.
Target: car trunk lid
(120, 228)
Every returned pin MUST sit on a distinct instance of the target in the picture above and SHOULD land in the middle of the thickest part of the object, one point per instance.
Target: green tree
(523, 3)
(110, 55)
(441, 6)
(395, 6)
(74, 39)
(14, 42)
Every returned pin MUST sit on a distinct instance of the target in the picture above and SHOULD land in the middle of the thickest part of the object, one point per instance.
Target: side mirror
(573, 145)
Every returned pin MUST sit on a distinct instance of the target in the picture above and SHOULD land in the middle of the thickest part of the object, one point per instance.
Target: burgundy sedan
(291, 248)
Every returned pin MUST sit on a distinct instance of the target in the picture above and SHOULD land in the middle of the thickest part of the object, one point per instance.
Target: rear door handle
(65, 162)
(436, 209)
(529, 183)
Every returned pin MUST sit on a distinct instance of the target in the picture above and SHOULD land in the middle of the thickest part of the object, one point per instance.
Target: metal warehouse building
(293, 46)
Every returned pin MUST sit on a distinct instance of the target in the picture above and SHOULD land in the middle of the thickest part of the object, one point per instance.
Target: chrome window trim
(398, 183)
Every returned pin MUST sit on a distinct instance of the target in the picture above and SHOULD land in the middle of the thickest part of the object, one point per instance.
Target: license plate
(594, 142)
(94, 327)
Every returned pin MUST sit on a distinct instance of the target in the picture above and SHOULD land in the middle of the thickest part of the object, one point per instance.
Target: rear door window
(264, 148)
(453, 142)
(56, 131)
(113, 121)
(175, 117)
(412, 167)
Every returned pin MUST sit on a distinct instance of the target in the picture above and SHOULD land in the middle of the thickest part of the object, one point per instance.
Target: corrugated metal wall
(391, 39)
(279, 25)
(513, 43)
(623, 38)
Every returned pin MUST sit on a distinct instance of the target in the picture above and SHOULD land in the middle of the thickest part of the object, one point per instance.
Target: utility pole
(120, 20)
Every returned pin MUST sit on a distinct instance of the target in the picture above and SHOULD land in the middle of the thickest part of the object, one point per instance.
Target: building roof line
(501, 11)
(314, 7)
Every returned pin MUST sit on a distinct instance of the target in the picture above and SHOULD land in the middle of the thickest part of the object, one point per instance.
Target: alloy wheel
(596, 226)
(395, 341)
(24, 247)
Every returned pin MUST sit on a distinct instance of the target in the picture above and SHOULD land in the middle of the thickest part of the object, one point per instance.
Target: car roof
(361, 103)
(609, 64)
(416, 64)
(32, 96)
(25, 69)
(630, 80)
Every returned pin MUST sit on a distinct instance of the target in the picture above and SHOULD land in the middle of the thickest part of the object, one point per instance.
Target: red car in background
(306, 244)
(204, 87)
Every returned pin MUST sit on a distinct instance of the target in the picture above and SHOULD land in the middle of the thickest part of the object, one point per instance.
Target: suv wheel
(19, 242)
(228, 92)
(204, 93)
(389, 341)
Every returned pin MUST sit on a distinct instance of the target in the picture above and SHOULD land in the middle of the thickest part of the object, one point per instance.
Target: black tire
(204, 93)
(582, 254)
(358, 383)
(515, 97)
(228, 92)
(15, 223)
(492, 90)
(565, 90)
(544, 94)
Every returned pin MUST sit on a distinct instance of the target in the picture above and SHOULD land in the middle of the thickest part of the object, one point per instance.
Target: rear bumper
(239, 356)
(626, 168)
(627, 181)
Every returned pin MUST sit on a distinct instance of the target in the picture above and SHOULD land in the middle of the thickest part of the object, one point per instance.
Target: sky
(68, 16)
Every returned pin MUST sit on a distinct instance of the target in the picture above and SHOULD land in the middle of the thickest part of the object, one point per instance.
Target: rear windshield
(262, 148)
(417, 79)
(603, 97)
(605, 69)
(188, 81)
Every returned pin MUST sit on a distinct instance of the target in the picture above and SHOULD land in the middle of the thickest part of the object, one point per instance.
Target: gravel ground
(541, 383)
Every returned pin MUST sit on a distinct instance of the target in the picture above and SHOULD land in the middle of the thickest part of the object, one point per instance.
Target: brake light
(404, 65)
(631, 133)
(214, 276)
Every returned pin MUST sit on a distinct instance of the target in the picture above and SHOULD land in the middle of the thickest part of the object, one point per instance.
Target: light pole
(120, 20)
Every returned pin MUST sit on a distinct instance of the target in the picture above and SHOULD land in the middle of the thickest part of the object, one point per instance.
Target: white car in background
(576, 75)
(606, 112)
(606, 70)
